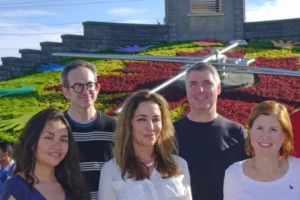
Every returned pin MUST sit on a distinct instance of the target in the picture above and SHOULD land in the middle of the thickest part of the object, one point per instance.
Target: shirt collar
(7, 168)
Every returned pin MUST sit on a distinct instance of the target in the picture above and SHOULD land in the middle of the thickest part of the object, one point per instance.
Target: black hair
(6, 147)
(67, 172)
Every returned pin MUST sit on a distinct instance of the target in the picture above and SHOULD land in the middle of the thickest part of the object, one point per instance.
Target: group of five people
(144, 156)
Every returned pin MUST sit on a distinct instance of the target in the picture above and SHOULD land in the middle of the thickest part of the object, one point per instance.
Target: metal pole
(229, 47)
(254, 70)
(184, 72)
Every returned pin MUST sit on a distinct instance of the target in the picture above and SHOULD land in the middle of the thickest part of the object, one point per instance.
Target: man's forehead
(83, 71)
(79, 76)
(204, 75)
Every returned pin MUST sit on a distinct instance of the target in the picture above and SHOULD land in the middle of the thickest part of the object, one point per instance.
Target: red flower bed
(202, 52)
(152, 68)
(234, 104)
(237, 111)
(279, 88)
(172, 104)
(207, 51)
(208, 42)
(176, 96)
(54, 87)
(148, 75)
(113, 110)
(173, 93)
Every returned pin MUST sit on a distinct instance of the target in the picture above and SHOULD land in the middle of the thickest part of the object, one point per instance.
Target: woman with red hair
(271, 173)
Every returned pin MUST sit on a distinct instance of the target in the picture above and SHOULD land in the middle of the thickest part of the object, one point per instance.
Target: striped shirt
(95, 143)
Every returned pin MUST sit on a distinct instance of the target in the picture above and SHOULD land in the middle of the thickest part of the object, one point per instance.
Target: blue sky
(25, 23)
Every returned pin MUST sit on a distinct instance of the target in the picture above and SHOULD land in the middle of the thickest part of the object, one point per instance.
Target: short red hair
(280, 111)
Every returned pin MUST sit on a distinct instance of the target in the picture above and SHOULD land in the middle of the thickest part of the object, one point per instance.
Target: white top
(113, 187)
(238, 186)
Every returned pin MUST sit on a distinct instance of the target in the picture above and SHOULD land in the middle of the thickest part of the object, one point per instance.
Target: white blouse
(113, 187)
(238, 186)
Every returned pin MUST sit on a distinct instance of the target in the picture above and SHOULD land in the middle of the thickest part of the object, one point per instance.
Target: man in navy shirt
(207, 141)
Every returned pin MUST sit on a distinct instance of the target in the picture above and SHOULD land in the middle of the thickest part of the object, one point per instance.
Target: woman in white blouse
(272, 173)
(144, 167)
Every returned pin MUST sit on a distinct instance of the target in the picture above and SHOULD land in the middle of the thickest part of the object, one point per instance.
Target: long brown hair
(164, 147)
(280, 111)
(67, 172)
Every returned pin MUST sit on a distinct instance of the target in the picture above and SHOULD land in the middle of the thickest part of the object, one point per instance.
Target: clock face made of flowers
(217, 58)
(161, 73)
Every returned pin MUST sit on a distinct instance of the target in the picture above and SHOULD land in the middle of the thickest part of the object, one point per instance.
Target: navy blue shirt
(209, 149)
(19, 188)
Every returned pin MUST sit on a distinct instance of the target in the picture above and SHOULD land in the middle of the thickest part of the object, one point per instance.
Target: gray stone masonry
(5, 72)
(171, 10)
(98, 36)
(288, 29)
(180, 25)
(239, 16)
(17, 64)
(31, 55)
(121, 31)
(185, 25)
(78, 43)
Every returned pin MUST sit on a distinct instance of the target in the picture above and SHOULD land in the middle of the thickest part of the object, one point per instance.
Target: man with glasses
(92, 129)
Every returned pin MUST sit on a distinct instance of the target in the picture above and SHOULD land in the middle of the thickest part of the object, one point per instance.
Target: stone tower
(199, 19)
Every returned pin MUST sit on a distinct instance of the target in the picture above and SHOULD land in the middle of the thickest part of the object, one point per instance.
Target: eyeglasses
(78, 87)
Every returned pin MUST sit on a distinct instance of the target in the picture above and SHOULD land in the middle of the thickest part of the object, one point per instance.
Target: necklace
(150, 164)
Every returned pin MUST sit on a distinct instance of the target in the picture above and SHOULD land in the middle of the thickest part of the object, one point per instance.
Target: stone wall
(180, 25)
(128, 32)
(184, 25)
(239, 18)
(288, 29)
(98, 36)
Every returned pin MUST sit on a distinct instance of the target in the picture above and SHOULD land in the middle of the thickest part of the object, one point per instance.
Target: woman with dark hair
(47, 165)
(271, 173)
(144, 166)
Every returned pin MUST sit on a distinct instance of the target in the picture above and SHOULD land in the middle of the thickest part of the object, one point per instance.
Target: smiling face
(266, 135)
(84, 99)
(202, 91)
(53, 144)
(146, 124)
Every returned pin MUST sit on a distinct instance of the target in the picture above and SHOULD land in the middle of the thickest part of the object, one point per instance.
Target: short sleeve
(11, 188)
